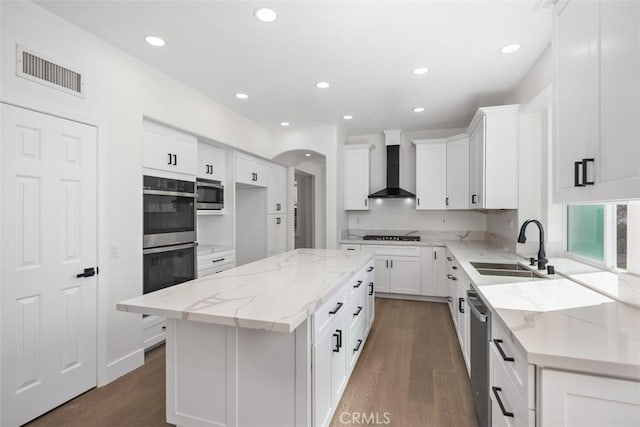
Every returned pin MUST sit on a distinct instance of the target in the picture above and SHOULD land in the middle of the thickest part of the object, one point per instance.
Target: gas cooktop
(392, 238)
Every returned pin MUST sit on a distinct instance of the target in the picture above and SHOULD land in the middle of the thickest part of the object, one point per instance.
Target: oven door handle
(210, 185)
(169, 248)
(168, 193)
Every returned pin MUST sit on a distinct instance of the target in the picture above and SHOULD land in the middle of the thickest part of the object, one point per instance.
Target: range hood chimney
(392, 190)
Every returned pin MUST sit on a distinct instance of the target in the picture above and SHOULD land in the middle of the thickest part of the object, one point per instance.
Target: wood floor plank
(410, 367)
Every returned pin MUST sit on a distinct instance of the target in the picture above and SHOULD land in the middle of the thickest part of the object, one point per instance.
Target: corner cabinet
(431, 174)
(596, 146)
(356, 177)
(493, 158)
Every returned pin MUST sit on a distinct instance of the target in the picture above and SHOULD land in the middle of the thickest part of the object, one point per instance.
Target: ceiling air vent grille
(37, 68)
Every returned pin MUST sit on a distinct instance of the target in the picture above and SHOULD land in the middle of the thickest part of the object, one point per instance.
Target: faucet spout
(522, 238)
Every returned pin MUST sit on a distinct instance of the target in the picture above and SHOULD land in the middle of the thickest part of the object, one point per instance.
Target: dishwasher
(480, 332)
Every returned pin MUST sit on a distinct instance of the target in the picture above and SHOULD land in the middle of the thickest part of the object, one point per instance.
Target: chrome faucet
(522, 238)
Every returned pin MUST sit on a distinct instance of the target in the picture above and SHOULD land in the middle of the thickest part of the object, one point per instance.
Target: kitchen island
(271, 343)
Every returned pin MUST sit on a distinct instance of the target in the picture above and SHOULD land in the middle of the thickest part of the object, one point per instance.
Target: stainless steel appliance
(168, 265)
(391, 238)
(169, 211)
(210, 195)
(480, 336)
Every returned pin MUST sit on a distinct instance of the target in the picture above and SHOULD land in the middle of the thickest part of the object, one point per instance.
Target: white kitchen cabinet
(431, 174)
(404, 275)
(251, 170)
(382, 273)
(463, 284)
(433, 272)
(276, 234)
(356, 176)
(339, 358)
(211, 162)
(596, 101)
(277, 189)
(576, 400)
(322, 392)
(458, 172)
(169, 150)
(493, 158)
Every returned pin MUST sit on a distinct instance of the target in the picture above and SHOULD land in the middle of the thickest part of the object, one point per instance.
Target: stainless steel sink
(506, 269)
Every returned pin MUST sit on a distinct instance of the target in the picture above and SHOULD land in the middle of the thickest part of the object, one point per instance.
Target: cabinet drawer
(154, 334)
(392, 250)
(331, 309)
(357, 306)
(508, 406)
(514, 361)
(356, 340)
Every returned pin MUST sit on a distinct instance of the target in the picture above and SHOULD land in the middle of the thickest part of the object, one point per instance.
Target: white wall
(121, 90)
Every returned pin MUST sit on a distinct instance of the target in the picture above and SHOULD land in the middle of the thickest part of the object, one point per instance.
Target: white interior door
(49, 236)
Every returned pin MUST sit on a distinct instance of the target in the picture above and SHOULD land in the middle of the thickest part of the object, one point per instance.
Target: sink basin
(506, 269)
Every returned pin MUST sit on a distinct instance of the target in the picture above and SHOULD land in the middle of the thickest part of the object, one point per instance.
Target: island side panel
(228, 376)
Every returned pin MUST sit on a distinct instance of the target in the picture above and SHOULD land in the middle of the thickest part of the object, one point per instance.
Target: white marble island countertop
(277, 293)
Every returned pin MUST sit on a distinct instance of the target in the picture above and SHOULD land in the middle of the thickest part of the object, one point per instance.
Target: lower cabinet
(342, 325)
(276, 234)
(397, 268)
(576, 400)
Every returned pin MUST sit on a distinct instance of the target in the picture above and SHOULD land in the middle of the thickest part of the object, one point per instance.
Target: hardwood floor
(411, 368)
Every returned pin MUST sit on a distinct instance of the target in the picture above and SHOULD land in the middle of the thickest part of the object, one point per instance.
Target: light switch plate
(114, 250)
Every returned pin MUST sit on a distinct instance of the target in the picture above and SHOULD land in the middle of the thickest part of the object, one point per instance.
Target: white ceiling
(365, 50)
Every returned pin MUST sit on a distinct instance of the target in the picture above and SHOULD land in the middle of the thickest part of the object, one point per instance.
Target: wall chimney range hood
(392, 190)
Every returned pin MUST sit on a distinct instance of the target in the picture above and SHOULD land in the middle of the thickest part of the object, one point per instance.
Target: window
(603, 234)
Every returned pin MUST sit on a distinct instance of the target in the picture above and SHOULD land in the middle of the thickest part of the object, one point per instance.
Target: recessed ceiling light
(510, 48)
(265, 14)
(420, 70)
(242, 95)
(308, 155)
(285, 124)
(347, 117)
(322, 85)
(155, 41)
(418, 109)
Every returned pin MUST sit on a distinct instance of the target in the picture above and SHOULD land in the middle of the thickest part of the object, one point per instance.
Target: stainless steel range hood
(392, 190)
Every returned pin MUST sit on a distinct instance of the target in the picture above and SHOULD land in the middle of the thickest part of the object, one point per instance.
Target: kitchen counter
(277, 293)
(559, 323)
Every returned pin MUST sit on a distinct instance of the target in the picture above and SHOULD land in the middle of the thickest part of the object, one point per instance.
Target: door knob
(88, 272)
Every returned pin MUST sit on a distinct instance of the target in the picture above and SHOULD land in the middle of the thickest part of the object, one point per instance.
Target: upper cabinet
(356, 176)
(431, 174)
(251, 170)
(493, 158)
(169, 150)
(596, 101)
(458, 172)
(211, 162)
(277, 189)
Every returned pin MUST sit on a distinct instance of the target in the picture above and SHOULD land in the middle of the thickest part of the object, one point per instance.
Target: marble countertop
(277, 293)
(558, 322)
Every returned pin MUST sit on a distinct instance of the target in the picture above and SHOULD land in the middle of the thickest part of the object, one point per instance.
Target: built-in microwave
(210, 195)
(169, 211)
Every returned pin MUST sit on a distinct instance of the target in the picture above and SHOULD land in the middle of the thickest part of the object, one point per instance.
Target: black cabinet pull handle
(501, 351)
(339, 331)
(338, 307)
(278, 220)
(88, 272)
(336, 349)
(387, 263)
(278, 206)
(357, 311)
(218, 260)
(446, 201)
(175, 160)
(351, 249)
(502, 408)
(576, 174)
(170, 157)
(461, 305)
(369, 270)
(391, 263)
(450, 277)
(366, 202)
(473, 199)
(449, 258)
(358, 283)
(370, 288)
(418, 201)
(585, 179)
(435, 255)
(454, 267)
(357, 346)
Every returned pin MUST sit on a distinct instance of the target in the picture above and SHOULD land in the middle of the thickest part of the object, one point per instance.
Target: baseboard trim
(411, 297)
(124, 365)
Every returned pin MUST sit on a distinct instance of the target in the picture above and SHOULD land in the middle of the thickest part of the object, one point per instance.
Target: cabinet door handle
(449, 258)
(454, 267)
(391, 263)
(585, 179)
(175, 160)
(446, 201)
(278, 206)
(500, 404)
(474, 198)
(357, 311)
(435, 255)
(338, 307)
(366, 202)
(358, 283)
(170, 158)
(370, 288)
(387, 263)
(336, 349)
(576, 174)
(461, 305)
(369, 270)
(218, 260)
(418, 201)
(506, 358)
(355, 350)
(278, 220)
